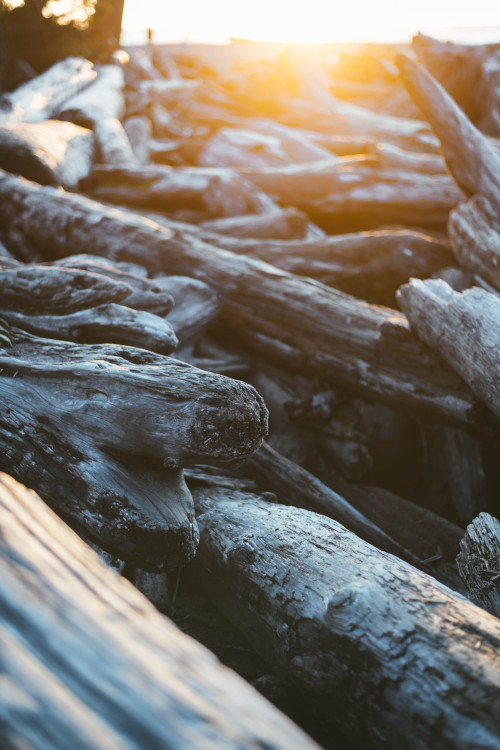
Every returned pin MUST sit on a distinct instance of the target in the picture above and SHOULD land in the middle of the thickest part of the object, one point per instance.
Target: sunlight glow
(313, 21)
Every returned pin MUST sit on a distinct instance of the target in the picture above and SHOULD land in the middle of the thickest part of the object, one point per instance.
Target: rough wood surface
(196, 305)
(471, 157)
(474, 231)
(286, 224)
(479, 562)
(299, 322)
(49, 152)
(464, 328)
(40, 98)
(89, 663)
(90, 426)
(390, 654)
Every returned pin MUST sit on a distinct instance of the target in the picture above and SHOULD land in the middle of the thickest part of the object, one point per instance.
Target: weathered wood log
(393, 157)
(479, 562)
(145, 293)
(49, 152)
(234, 147)
(343, 196)
(471, 157)
(100, 107)
(40, 98)
(139, 131)
(103, 324)
(474, 232)
(293, 485)
(81, 644)
(286, 224)
(51, 290)
(299, 322)
(391, 655)
(469, 72)
(83, 424)
(218, 192)
(463, 328)
(196, 305)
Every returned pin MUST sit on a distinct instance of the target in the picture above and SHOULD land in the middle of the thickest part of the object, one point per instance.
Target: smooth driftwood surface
(392, 656)
(471, 157)
(286, 224)
(299, 322)
(49, 152)
(195, 306)
(40, 98)
(474, 229)
(90, 426)
(89, 663)
(464, 328)
(479, 562)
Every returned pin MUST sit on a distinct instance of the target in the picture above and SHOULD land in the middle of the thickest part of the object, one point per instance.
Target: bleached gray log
(100, 107)
(474, 230)
(103, 324)
(218, 192)
(464, 328)
(392, 656)
(49, 152)
(393, 157)
(234, 147)
(139, 131)
(286, 224)
(196, 305)
(479, 562)
(88, 662)
(299, 322)
(90, 426)
(146, 294)
(40, 98)
(471, 157)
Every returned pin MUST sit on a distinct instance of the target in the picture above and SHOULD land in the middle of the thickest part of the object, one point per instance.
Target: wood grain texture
(390, 654)
(479, 562)
(87, 661)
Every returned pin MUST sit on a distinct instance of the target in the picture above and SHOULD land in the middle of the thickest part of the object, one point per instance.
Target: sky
(215, 21)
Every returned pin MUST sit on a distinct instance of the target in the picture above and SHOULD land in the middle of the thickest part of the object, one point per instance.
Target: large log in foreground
(88, 663)
(296, 321)
(393, 657)
(90, 426)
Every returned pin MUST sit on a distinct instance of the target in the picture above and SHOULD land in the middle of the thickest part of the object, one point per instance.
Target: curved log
(89, 663)
(403, 659)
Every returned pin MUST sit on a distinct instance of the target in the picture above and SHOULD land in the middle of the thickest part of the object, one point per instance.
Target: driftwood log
(89, 663)
(40, 98)
(391, 655)
(474, 231)
(83, 424)
(365, 348)
(479, 562)
(463, 328)
(49, 152)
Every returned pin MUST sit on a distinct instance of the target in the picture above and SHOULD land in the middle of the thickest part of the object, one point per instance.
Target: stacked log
(231, 275)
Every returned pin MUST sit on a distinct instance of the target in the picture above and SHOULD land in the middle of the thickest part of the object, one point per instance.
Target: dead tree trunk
(90, 664)
(390, 654)
(474, 231)
(299, 322)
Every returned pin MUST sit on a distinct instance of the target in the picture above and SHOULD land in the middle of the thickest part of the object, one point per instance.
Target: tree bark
(479, 562)
(463, 328)
(401, 658)
(89, 663)
(299, 322)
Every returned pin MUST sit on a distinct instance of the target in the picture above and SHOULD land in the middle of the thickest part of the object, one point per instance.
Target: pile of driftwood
(249, 343)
